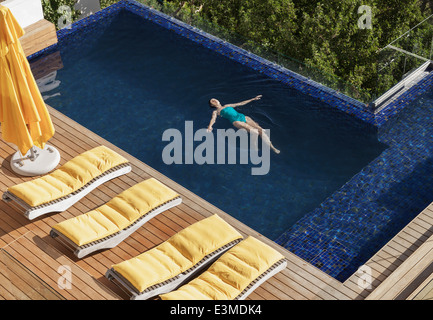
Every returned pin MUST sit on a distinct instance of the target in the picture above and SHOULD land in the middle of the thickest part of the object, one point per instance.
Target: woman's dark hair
(211, 104)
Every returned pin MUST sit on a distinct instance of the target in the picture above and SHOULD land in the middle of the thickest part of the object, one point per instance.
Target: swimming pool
(129, 80)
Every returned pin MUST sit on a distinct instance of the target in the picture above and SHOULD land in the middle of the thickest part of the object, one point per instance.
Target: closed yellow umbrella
(24, 118)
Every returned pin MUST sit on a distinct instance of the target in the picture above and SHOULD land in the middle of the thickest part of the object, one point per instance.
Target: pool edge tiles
(404, 100)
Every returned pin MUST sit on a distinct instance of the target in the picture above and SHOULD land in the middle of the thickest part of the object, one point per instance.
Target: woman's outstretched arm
(234, 105)
(212, 120)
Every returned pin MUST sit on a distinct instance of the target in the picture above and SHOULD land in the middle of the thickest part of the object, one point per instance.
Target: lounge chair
(168, 265)
(62, 188)
(236, 274)
(111, 223)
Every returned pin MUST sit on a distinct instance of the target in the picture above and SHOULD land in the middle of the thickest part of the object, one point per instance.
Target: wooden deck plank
(400, 283)
(424, 291)
(8, 288)
(38, 36)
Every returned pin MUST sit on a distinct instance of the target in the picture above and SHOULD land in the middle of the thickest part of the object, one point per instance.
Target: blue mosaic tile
(404, 100)
(377, 202)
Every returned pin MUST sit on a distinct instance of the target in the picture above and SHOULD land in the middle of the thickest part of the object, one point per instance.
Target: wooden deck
(38, 36)
(28, 244)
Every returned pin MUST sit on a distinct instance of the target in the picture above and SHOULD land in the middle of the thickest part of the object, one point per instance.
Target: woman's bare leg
(262, 133)
(259, 131)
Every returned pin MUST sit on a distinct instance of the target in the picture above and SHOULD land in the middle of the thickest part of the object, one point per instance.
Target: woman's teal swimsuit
(232, 115)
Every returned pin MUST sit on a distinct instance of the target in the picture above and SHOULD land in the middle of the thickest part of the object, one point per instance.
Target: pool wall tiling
(332, 236)
(404, 100)
(362, 216)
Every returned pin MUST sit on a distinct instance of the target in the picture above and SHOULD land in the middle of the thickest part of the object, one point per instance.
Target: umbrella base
(35, 162)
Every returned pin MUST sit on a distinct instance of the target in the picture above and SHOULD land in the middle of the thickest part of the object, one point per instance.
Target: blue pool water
(138, 79)
(132, 80)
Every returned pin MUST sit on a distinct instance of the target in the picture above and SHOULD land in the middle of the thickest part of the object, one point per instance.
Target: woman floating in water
(238, 119)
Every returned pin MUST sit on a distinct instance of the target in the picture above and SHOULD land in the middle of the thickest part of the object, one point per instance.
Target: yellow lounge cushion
(70, 177)
(227, 277)
(117, 214)
(178, 254)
